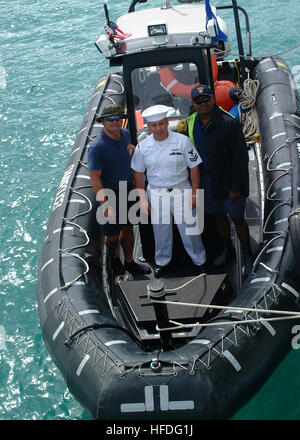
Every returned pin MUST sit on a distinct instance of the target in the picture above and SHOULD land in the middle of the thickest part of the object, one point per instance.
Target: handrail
(248, 35)
(133, 3)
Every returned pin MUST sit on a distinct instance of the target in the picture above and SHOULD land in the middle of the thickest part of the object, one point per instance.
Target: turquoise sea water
(49, 67)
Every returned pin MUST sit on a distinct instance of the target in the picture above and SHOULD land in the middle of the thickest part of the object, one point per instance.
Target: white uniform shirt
(166, 162)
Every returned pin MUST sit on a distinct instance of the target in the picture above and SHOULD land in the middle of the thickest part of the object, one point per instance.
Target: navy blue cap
(201, 90)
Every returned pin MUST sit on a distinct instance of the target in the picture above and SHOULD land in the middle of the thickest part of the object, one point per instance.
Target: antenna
(106, 12)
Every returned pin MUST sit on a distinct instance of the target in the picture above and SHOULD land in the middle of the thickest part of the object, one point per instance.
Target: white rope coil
(247, 104)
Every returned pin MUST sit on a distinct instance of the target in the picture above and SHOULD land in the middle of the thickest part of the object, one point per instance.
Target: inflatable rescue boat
(208, 345)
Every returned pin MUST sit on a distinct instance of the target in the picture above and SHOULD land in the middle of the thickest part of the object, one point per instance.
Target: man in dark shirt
(224, 170)
(109, 167)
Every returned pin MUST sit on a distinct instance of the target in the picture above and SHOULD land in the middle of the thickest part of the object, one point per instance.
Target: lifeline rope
(239, 309)
(260, 56)
(180, 326)
(289, 315)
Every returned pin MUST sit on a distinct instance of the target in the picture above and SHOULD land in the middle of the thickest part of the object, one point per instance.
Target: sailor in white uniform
(169, 159)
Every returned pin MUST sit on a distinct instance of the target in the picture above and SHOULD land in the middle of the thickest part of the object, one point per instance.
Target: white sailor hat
(157, 113)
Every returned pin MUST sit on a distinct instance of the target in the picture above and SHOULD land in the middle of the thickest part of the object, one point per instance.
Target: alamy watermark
(187, 208)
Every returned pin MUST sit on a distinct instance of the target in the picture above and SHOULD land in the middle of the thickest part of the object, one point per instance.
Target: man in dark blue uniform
(224, 170)
(109, 165)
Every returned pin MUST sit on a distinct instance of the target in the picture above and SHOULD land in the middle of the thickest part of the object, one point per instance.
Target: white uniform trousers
(164, 205)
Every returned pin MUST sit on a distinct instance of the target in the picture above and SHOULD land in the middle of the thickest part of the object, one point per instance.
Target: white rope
(70, 251)
(289, 315)
(239, 309)
(247, 103)
(70, 283)
(296, 211)
(259, 56)
(187, 283)
(234, 323)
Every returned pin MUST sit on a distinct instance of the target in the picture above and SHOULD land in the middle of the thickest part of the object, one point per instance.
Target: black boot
(137, 269)
(226, 256)
(159, 271)
(198, 270)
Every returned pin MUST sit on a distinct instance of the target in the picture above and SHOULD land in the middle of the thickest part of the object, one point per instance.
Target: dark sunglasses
(114, 118)
(202, 99)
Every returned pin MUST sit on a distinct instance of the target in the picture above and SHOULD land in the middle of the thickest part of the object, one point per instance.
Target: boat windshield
(166, 84)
